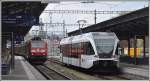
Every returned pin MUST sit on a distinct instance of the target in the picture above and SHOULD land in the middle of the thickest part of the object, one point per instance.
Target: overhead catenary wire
(84, 12)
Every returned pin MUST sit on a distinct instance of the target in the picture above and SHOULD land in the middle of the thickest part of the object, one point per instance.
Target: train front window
(104, 46)
(37, 44)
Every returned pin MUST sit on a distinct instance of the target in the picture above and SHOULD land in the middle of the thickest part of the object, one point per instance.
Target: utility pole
(64, 28)
(81, 22)
(46, 32)
(50, 15)
(95, 16)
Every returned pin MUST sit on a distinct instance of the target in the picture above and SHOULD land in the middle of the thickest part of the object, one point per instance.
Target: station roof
(19, 17)
(131, 24)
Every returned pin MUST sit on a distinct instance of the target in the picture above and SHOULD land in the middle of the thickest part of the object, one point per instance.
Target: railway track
(116, 77)
(55, 61)
(124, 76)
(51, 74)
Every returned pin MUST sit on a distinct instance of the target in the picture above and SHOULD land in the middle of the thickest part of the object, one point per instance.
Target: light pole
(81, 22)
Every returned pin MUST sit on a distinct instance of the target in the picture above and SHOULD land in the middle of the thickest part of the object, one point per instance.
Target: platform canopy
(127, 25)
(19, 17)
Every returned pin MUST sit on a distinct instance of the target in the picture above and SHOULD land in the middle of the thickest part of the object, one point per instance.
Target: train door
(75, 54)
(88, 56)
(69, 54)
(66, 53)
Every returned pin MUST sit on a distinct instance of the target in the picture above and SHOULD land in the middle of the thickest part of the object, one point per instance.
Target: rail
(120, 76)
(51, 74)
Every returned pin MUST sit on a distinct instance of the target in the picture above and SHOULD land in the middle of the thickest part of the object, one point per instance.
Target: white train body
(90, 49)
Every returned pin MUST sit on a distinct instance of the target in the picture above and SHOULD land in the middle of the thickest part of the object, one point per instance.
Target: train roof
(86, 37)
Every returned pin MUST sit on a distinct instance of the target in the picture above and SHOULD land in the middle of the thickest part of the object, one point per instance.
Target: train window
(37, 44)
(76, 50)
(76, 45)
(117, 50)
(104, 45)
(61, 47)
(65, 49)
(68, 49)
(89, 49)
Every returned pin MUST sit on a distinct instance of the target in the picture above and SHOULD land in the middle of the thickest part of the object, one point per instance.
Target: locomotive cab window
(37, 44)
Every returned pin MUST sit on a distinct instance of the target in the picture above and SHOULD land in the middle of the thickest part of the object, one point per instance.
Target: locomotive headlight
(96, 56)
(113, 56)
(42, 50)
(33, 51)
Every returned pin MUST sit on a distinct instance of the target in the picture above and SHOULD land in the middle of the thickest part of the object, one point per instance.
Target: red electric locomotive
(37, 50)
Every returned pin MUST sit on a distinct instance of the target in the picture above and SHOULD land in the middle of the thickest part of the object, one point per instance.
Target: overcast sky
(99, 6)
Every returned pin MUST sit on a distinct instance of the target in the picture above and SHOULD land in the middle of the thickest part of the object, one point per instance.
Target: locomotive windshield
(104, 46)
(37, 44)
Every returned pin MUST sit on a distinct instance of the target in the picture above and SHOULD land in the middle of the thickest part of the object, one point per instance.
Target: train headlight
(114, 56)
(96, 56)
(33, 51)
(42, 50)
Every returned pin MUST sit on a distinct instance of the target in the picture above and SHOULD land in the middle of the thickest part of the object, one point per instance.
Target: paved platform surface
(146, 67)
(23, 71)
(141, 70)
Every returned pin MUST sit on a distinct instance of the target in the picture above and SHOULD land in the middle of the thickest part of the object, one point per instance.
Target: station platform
(23, 71)
(139, 70)
(146, 67)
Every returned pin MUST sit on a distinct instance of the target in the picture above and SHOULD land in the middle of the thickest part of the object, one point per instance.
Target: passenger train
(90, 50)
(35, 50)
